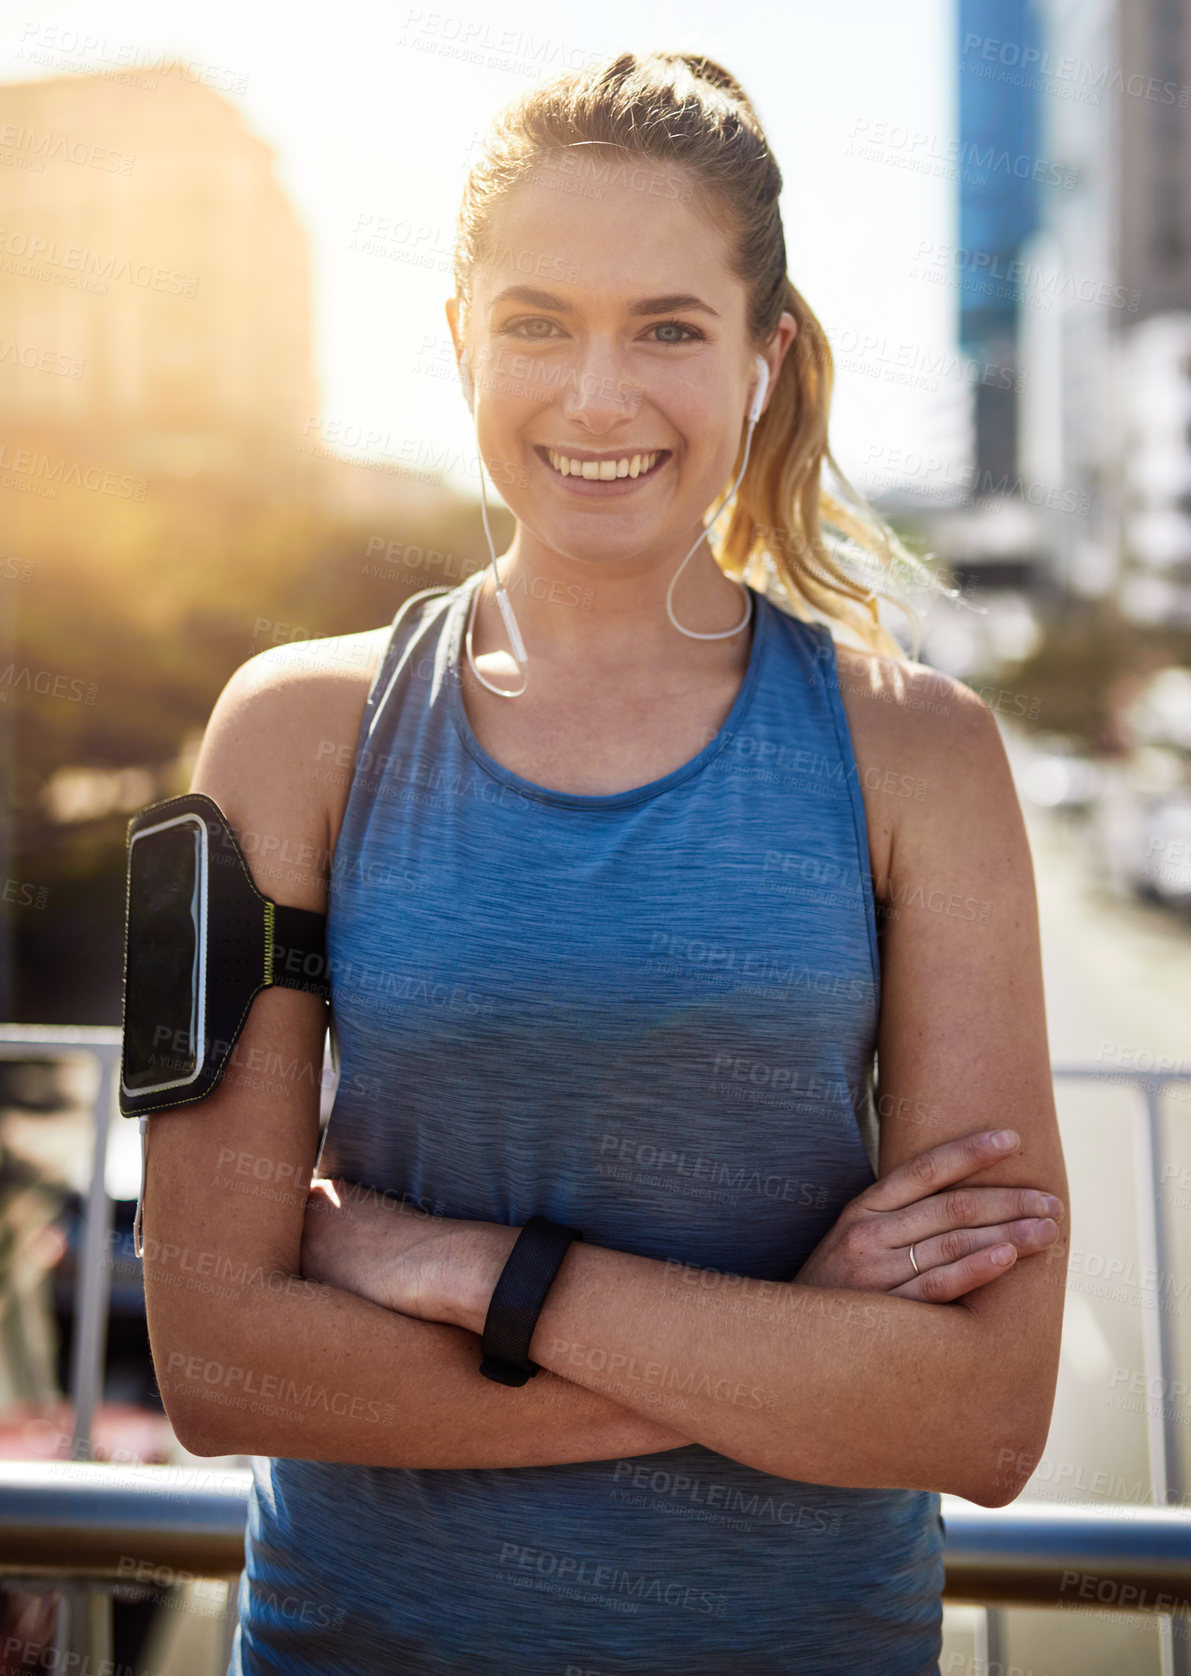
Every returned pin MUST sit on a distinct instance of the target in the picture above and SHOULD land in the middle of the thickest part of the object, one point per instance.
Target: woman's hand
(962, 1238)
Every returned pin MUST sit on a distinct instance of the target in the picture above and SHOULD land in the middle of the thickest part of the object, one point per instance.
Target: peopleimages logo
(730, 1498)
(752, 964)
(1037, 62)
(1014, 270)
(78, 259)
(578, 1569)
(25, 462)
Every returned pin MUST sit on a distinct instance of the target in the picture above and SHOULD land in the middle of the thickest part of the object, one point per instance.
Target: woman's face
(603, 328)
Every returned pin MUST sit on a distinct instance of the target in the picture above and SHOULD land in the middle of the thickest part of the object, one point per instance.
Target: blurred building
(155, 307)
(1110, 261)
(999, 189)
(989, 536)
(156, 337)
(1156, 469)
(159, 409)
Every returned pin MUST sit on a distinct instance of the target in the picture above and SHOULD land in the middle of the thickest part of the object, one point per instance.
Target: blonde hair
(685, 111)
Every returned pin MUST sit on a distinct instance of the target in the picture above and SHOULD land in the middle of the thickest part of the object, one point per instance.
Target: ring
(917, 1270)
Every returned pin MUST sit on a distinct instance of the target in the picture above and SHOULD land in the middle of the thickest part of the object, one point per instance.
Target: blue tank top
(651, 1015)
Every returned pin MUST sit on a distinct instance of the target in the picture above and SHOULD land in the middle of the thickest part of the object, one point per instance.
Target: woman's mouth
(617, 474)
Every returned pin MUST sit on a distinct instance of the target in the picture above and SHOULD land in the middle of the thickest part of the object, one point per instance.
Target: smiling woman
(678, 886)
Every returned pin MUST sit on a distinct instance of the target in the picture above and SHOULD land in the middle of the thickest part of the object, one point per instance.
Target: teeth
(604, 471)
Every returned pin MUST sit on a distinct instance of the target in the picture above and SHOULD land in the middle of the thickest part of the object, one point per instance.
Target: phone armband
(200, 943)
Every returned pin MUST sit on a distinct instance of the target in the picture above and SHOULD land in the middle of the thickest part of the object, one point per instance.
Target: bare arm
(964, 1041)
(250, 1358)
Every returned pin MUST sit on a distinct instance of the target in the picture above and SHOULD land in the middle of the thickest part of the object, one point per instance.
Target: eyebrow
(673, 302)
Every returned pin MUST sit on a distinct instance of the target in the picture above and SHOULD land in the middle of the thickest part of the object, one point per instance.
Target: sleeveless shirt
(650, 1015)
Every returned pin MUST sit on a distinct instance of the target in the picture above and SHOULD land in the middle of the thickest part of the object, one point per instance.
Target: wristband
(517, 1299)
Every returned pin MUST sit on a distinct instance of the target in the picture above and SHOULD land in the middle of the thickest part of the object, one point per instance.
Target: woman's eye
(517, 327)
(694, 335)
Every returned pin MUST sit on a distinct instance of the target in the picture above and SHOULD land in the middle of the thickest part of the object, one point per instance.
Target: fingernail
(1003, 1254)
(1053, 1206)
(1003, 1139)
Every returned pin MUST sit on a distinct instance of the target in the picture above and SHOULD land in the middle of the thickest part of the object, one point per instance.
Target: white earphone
(502, 599)
(762, 385)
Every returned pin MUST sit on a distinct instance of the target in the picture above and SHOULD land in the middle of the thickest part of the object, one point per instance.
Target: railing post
(1158, 1353)
(94, 1279)
(89, 1641)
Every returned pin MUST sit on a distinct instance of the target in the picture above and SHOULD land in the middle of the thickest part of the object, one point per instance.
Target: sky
(372, 115)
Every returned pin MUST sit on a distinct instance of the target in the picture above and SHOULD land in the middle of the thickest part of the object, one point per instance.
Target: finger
(966, 1207)
(936, 1168)
(1028, 1234)
(952, 1280)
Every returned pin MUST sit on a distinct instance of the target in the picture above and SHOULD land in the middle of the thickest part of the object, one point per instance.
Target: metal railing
(87, 1529)
(92, 1522)
(86, 1519)
(80, 1521)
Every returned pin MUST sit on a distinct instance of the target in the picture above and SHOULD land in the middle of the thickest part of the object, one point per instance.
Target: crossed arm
(825, 1385)
(635, 1313)
(638, 1356)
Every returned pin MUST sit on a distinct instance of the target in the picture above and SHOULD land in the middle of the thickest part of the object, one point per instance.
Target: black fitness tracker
(517, 1299)
(200, 941)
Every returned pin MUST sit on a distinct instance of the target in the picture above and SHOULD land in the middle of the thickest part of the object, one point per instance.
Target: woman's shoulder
(281, 740)
(285, 720)
(308, 666)
(893, 705)
(308, 696)
(917, 733)
(901, 703)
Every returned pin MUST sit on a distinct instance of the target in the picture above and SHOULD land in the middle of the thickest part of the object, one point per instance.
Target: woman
(598, 858)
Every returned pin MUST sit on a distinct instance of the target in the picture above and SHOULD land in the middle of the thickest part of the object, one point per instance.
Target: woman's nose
(596, 391)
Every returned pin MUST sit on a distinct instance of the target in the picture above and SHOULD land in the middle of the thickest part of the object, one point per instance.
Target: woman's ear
(452, 312)
(784, 334)
(465, 376)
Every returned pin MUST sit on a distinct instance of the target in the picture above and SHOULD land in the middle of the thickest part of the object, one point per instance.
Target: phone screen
(164, 980)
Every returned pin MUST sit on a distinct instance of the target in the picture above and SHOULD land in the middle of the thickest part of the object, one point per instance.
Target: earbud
(469, 389)
(762, 386)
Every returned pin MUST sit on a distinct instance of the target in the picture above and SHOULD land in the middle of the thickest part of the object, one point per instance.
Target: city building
(155, 292)
(1108, 277)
